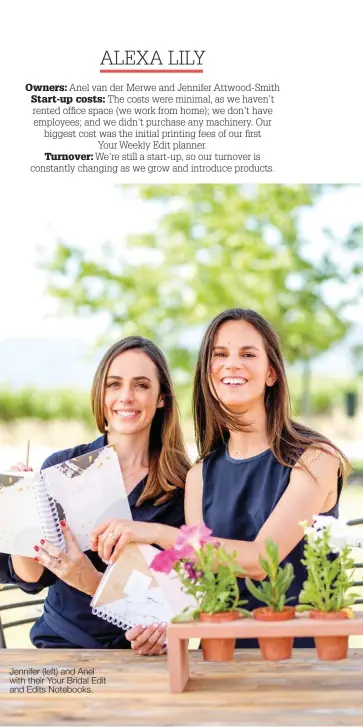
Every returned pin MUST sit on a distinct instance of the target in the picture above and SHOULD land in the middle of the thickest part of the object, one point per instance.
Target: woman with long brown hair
(135, 409)
(259, 473)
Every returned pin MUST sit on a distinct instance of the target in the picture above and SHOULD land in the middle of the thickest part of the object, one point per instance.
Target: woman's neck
(132, 449)
(242, 445)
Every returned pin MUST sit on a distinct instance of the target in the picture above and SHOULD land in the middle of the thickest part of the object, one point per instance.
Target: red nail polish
(36, 559)
(63, 523)
(42, 542)
(36, 547)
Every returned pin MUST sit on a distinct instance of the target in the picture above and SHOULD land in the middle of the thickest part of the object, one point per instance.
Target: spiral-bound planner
(84, 491)
(130, 593)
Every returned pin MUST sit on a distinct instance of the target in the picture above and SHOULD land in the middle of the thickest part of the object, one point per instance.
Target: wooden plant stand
(179, 633)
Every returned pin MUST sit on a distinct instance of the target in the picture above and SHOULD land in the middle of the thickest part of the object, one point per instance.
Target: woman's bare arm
(194, 495)
(306, 495)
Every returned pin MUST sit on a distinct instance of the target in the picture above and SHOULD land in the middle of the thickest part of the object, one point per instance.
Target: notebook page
(20, 526)
(88, 490)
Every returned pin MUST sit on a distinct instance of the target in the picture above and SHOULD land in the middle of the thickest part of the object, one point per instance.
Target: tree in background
(215, 246)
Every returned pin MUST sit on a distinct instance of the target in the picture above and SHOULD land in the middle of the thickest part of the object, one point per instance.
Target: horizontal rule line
(154, 70)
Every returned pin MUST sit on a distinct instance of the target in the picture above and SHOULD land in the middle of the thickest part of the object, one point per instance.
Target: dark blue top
(68, 621)
(238, 497)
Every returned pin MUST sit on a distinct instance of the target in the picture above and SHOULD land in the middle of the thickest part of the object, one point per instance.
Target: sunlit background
(162, 261)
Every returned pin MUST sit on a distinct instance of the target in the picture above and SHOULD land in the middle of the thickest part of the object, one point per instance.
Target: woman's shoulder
(320, 460)
(198, 470)
(195, 472)
(63, 455)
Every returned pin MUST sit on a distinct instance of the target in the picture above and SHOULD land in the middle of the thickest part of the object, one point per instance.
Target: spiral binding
(48, 514)
(117, 620)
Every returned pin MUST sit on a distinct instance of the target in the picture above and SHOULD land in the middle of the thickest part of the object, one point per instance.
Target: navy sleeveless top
(238, 497)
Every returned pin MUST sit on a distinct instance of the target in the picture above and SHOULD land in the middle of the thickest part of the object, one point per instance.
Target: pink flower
(165, 560)
(189, 540)
(192, 538)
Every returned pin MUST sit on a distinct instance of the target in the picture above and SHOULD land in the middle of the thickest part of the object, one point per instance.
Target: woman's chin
(238, 406)
(126, 427)
(235, 403)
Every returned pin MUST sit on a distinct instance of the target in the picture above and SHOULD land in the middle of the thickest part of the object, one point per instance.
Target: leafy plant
(330, 574)
(205, 571)
(272, 591)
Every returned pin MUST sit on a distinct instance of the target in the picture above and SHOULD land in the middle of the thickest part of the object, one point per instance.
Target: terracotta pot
(330, 648)
(275, 648)
(218, 649)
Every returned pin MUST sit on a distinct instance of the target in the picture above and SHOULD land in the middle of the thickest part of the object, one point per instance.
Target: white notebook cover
(20, 526)
(130, 593)
(88, 490)
(85, 491)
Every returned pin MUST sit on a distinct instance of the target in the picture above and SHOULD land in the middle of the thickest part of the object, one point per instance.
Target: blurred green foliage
(327, 393)
(215, 246)
(58, 404)
(321, 402)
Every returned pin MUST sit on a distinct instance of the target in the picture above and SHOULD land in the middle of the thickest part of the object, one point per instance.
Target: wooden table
(134, 690)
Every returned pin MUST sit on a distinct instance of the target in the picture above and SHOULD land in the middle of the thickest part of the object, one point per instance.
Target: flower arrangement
(205, 571)
(327, 558)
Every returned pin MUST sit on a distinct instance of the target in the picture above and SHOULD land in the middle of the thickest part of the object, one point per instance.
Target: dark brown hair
(212, 421)
(168, 459)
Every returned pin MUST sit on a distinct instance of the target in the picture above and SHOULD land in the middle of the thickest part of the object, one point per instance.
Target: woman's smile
(126, 413)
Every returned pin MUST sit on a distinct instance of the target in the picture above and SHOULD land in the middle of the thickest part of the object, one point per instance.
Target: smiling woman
(259, 472)
(135, 409)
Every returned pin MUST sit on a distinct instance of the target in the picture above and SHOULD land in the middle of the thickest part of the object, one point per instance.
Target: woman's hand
(115, 534)
(148, 640)
(72, 567)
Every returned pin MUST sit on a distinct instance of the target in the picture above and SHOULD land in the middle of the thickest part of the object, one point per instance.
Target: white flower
(311, 533)
(340, 534)
(322, 522)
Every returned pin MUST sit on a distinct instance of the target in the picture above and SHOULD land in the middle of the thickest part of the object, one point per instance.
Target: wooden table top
(133, 690)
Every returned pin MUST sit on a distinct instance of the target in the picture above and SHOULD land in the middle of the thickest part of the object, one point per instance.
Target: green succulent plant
(272, 591)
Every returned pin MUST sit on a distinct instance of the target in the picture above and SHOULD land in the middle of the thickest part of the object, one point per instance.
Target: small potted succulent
(326, 593)
(209, 574)
(272, 591)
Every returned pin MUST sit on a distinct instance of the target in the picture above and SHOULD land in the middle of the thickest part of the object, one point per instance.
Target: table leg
(178, 663)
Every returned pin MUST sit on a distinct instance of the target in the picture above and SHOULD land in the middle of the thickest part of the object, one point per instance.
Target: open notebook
(84, 491)
(130, 593)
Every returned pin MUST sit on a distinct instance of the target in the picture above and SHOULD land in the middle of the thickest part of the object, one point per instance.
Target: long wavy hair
(168, 459)
(213, 421)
